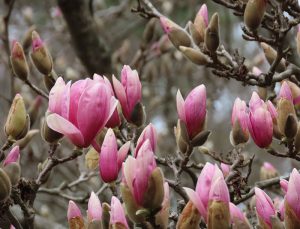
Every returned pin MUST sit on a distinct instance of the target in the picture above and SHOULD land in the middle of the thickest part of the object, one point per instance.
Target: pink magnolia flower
(37, 42)
(269, 167)
(260, 123)
(219, 190)
(284, 185)
(237, 216)
(13, 156)
(137, 171)
(293, 193)
(285, 92)
(239, 114)
(202, 15)
(115, 119)
(94, 211)
(264, 207)
(73, 211)
(271, 108)
(81, 110)
(110, 160)
(128, 91)
(192, 111)
(149, 133)
(200, 197)
(117, 214)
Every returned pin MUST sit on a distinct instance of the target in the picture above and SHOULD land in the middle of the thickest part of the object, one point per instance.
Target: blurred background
(121, 33)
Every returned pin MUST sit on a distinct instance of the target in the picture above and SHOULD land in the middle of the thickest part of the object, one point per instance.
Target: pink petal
(285, 92)
(73, 210)
(264, 206)
(122, 154)
(94, 208)
(204, 13)
(180, 107)
(255, 102)
(236, 213)
(13, 156)
(55, 96)
(197, 202)
(121, 95)
(117, 214)
(219, 190)
(148, 133)
(293, 192)
(284, 185)
(108, 164)
(129, 171)
(63, 126)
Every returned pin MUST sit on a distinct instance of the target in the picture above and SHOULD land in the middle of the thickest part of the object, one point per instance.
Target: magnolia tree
(103, 119)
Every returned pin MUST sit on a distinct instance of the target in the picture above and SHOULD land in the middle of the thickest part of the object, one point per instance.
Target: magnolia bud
(74, 216)
(218, 215)
(26, 41)
(211, 38)
(48, 134)
(271, 55)
(238, 135)
(154, 195)
(5, 185)
(285, 108)
(254, 13)
(291, 126)
(267, 171)
(138, 115)
(40, 55)
(200, 138)
(17, 123)
(13, 171)
(130, 205)
(176, 34)
(91, 159)
(196, 56)
(182, 138)
(33, 110)
(18, 61)
(189, 217)
(197, 37)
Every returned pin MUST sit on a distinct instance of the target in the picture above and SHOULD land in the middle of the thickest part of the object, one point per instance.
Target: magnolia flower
(260, 123)
(13, 156)
(149, 133)
(81, 110)
(94, 211)
(117, 214)
(192, 110)
(238, 219)
(264, 208)
(128, 91)
(74, 215)
(110, 160)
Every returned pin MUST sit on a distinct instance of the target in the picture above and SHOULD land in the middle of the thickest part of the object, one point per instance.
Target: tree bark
(90, 48)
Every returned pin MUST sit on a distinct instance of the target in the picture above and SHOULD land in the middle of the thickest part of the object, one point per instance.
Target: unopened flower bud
(291, 126)
(201, 21)
(176, 34)
(211, 38)
(254, 13)
(74, 216)
(138, 115)
(197, 38)
(285, 108)
(91, 159)
(297, 140)
(271, 55)
(5, 186)
(105, 215)
(189, 217)
(267, 171)
(196, 56)
(182, 138)
(40, 55)
(200, 138)
(17, 123)
(26, 41)
(154, 196)
(18, 61)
